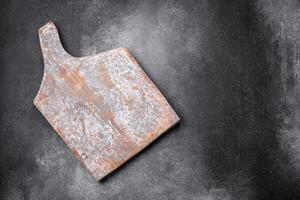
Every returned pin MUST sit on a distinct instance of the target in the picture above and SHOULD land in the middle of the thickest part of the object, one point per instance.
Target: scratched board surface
(103, 106)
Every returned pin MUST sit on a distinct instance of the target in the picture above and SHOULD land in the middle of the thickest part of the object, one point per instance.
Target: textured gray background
(229, 68)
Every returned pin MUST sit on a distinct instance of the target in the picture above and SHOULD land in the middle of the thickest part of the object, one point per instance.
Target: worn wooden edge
(140, 150)
(69, 148)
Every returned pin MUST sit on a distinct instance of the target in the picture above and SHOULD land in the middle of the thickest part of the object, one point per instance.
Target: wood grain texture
(104, 106)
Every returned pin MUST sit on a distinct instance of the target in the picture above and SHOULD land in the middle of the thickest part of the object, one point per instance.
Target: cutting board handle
(50, 43)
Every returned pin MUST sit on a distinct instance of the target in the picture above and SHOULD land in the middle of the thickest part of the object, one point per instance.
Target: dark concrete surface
(229, 68)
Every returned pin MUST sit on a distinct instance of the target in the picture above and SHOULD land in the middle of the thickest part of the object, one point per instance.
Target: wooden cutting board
(104, 107)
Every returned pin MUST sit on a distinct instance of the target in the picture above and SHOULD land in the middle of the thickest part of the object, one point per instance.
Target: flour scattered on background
(282, 17)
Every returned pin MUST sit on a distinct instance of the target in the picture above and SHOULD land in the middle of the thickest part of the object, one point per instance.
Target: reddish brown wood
(104, 107)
